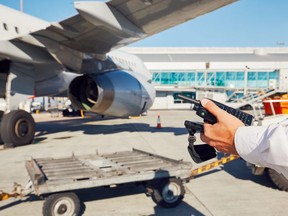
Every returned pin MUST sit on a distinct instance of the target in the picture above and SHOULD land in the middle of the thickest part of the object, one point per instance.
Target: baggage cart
(59, 179)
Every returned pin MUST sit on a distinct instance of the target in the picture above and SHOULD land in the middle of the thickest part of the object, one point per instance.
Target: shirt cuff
(246, 141)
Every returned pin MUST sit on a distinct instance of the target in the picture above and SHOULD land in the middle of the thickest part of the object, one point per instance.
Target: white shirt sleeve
(266, 146)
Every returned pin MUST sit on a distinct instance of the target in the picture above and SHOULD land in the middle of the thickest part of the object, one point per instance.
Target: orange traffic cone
(158, 122)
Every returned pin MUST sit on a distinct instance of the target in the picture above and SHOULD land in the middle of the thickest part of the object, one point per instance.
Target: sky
(245, 23)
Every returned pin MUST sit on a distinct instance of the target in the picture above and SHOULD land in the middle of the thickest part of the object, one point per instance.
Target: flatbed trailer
(59, 179)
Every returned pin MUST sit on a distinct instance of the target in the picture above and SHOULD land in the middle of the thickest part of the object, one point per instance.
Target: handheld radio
(204, 152)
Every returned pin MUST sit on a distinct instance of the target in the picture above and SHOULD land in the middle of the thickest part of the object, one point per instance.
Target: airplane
(79, 57)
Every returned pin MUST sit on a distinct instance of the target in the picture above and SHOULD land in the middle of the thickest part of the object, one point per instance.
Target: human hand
(221, 134)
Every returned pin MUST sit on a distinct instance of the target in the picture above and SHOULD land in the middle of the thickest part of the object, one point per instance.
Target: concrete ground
(227, 190)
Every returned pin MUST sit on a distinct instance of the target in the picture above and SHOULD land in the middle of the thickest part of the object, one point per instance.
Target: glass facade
(235, 79)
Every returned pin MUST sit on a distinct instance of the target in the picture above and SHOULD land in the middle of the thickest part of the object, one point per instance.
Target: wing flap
(159, 15)
(101, 14)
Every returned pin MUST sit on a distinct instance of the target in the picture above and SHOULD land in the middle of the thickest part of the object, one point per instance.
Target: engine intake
(115, 93)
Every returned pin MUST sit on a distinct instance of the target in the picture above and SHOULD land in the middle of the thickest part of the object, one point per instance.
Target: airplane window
(16, 30)
(5, 26)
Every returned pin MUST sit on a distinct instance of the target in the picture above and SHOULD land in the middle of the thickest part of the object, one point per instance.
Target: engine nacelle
(115, 93)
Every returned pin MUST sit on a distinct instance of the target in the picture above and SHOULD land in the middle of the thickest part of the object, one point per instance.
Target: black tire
(278, 179)
(168, 193)
(17, 128)
(65, 204)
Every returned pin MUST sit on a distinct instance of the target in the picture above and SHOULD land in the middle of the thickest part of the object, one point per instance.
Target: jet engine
(115, 93)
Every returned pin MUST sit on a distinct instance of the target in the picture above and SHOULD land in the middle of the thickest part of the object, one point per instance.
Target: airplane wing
(100, 27)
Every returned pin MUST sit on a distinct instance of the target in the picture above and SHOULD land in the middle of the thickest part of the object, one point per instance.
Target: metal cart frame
(59, 179)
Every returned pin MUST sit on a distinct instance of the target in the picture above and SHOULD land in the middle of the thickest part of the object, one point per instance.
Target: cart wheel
(278, 179)
(64, 204)
(168, 193)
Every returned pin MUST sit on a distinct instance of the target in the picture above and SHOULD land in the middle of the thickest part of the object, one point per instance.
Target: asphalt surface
(226, 190)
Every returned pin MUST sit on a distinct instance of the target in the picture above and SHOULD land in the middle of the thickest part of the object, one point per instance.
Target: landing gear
(17, 128)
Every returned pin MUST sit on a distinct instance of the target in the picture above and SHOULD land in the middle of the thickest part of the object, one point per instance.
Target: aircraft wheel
(168, 193)
(278, 179)
(65, 204)
(17, 128)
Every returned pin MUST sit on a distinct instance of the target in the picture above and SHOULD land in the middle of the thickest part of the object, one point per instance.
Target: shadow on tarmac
(183, 209)
(30, 198)
(90, 195)
(239, 170)
(10, 205)
(44, 128)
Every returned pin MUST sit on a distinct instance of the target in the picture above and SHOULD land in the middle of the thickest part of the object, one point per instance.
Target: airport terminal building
(217, 73)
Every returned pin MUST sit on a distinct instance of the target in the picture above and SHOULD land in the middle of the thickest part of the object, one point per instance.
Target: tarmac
(230, 189)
